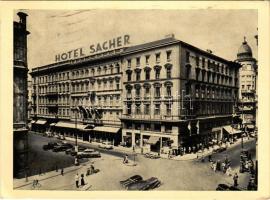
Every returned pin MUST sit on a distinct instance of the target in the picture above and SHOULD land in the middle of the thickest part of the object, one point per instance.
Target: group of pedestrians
(79, 179)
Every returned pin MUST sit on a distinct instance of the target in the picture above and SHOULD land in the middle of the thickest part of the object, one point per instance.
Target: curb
(29, 183)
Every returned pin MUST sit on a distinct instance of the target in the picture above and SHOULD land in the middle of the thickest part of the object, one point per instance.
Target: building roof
(244, 50)
(153, 44)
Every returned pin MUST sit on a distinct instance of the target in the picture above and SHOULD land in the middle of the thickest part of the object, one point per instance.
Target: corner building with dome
(247, 86)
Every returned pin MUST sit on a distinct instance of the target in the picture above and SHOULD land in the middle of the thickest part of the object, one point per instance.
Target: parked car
(50, 145)
(148, 184)
(88, 153)
(62, 147)
(222, 187)
(151, 155)
(72, 151)
(131, 180)
(105, 145)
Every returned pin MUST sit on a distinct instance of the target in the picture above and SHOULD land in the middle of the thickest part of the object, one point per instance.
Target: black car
(50, 145)
(222, 187)
(62, 147)
(132, 179)
(148, 184)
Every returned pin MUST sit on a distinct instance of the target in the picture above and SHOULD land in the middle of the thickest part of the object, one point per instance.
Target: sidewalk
(193, 156)
(18, 183)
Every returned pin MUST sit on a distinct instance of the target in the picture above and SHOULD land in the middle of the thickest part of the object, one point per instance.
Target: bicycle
(35, 184)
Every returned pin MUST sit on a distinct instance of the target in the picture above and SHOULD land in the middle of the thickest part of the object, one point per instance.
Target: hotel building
(155, 96)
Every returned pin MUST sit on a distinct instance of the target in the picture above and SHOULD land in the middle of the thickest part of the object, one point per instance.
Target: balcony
(248, 91)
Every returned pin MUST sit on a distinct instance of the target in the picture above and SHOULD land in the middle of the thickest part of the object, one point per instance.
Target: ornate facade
(248, 85)
(165, 93)
(20, 98)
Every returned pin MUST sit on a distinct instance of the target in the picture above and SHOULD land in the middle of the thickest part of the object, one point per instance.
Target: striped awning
(231, 130)
(41, 121)
(106, 129)
(71, 125)
(153, 140)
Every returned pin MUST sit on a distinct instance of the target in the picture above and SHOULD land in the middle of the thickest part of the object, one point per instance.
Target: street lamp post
(76, 134)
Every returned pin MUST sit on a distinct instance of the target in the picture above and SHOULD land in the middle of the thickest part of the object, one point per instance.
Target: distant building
(154, 96)
(20, 128)
(248, 85)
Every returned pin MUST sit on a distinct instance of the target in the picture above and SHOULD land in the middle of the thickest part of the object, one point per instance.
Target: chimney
(169, 35)
(22, 17)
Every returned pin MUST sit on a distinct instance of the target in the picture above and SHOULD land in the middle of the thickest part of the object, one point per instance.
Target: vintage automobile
(151, 155)
(62, 147)
(72, 151)
(222, 187)
(105, 145)
(225, 187)
(131, 180)
(88, 154)
(50, 145)
(148, 184)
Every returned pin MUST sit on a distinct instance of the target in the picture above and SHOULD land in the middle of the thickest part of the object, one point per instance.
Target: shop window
(137, 126)
(147, 127)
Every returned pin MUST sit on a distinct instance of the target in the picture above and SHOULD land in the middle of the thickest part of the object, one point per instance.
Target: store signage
(108, 45)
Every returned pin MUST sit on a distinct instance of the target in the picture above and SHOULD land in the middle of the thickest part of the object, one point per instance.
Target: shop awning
(33, 121)
(71, 125)
(153, 140)
(106, 129)
(231, 130)
(52, 124)
(41, 122)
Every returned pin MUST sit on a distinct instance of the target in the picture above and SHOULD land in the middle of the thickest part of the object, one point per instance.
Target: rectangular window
(147, 109)
(157, 127)
(138, 92)
(138, 76)
(157, 92)
(157, 57)
(169, 109)
(157, 109)
(129, 62)
(169, 92)
(138, 109)
(147, 59)
(138, 61)
(129, 77)
(147, 127)
(169, 73)
(197, 60)
(203, 62)
(169, 55)
(129, 109)
(147, 92)
(157, 74)
(187, 57)
(147, 75)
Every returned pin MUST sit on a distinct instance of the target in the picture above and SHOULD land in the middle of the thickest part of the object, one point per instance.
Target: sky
(58, 31)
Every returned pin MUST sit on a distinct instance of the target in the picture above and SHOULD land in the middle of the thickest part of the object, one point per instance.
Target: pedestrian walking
(125, 160)
(209, 158)
(62, 171)
(235, 180)
(77, 180)
(82, 180)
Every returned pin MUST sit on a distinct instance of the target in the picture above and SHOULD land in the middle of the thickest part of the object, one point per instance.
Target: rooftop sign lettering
(108, 45)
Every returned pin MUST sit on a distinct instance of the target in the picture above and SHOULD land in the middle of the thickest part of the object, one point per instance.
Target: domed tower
(247, 84)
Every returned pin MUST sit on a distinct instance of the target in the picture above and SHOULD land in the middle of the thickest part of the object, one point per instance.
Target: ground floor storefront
(82, 131)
